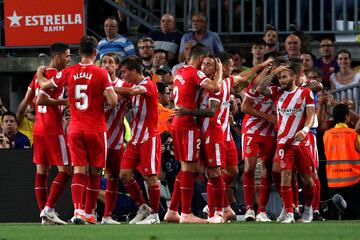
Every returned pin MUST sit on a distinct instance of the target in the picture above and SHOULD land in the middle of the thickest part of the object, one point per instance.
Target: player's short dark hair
(295, 65)
(58, 48)
(161, 87)
(224, 57)
(8, 113)
(199, 50)
(115, 56)
(88, 45)
(340, 111)
(131, 63)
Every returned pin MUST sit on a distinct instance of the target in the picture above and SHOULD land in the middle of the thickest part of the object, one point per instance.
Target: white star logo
(15, 20)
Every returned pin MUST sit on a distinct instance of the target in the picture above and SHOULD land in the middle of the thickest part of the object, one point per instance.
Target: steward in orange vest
(342, 150)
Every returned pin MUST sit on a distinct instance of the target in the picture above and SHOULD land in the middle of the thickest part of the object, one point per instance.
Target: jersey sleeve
(60, 78)
(33, 82)
(309, 97)
(200, 77)
(150, 88)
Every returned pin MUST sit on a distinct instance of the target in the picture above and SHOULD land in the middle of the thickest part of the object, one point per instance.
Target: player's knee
(213, 172)
(125, 176)
(232, 171)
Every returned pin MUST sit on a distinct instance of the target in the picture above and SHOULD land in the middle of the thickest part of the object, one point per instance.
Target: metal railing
(351, 92)
(243, 17)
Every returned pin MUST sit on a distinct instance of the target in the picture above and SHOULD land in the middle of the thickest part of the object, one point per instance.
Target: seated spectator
(327, 62)
(114, 42)
(257, 53)
(146, 52)
(308, 60)
(200, 34)
(160, 59)
(4, 141)
(167, 39)
(9, 125)
(271, 39)
(164, 74)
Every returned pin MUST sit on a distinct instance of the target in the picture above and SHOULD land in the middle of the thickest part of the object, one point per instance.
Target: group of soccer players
(200, 129)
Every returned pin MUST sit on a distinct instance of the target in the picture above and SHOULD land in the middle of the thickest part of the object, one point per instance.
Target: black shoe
(317, 217)
(297, 215)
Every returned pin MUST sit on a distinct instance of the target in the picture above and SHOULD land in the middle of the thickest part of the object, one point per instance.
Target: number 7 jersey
(86, 85)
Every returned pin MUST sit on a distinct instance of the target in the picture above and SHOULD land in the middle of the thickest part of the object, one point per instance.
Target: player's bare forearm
(129, 91)
(247, 107)
(42, 99)
(264, 84)
(310, 117)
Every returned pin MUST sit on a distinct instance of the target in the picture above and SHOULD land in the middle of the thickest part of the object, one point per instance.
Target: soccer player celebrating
(258, 143)
(143, 152)
(88, 87)
(186, 133)
(295, 116)
(115, 137)
(50, 146)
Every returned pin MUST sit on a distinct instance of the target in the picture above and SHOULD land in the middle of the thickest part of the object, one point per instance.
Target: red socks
(295, 189)
(264, 193)
(57, 188)
(249, 189)
(111, 194)
(133, 188)
(77, 189)
(92, 192)
(187, 189)
(41, 190)
(176, 195)
(287, 197)
(218, 187)
(316, 199)
(154, 198)
(227, 180)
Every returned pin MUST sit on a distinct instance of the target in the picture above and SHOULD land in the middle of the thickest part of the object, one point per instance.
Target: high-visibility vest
(343, 161)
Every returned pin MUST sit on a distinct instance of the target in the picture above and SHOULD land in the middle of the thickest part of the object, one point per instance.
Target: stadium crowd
(200, 118)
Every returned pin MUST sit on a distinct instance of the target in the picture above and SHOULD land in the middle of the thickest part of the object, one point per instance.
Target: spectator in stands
(160, 58)
(342, 149)
(184, 57)
(314, 73)
(200, 34)
(9, 125)
(163, 111)
(258, 48)
(167, 39)
(292, 46)
(114, 42)
(239, 60)
(327, 62)
(25, 116)
(271, 39)
(146, 52)
(307, 59)
(346, 76)
(4, 141)
(164, 74)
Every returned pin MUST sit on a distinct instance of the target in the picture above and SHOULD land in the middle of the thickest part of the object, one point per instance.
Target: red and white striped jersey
(226, 85)
(291, 113)
(187, 82)
(210, 127)
(115, 120)
(48, 119)
(145, 112)
(255, 125)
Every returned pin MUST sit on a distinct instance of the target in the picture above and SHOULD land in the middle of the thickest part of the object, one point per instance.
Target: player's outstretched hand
(41, 70)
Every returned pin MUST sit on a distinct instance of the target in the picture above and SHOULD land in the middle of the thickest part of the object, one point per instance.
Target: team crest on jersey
(58, 75)
(201, 74)
(211, 161)
(282, 164)
(299, 101)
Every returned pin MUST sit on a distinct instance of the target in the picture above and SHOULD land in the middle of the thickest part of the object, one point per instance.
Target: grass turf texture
(344, 230)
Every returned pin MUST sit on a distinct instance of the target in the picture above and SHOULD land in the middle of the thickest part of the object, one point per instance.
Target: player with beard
(295, 116)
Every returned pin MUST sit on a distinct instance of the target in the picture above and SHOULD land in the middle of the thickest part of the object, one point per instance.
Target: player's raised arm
(247, 107)
(214, 85)
(43, 81)
(265, 82)
(243, 76)
(44, 99)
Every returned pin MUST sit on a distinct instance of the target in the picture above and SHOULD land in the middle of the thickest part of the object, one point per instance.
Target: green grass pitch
(328, 230)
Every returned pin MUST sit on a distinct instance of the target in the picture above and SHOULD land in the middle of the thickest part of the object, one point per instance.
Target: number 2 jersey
(86, 85)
